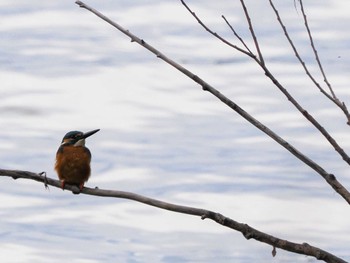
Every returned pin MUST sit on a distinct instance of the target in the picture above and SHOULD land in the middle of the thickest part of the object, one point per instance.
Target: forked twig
(296, 53)
(330, 178)
(331, 97)
(236, 35)
(335, 99)
(248, 53)
(247, 231)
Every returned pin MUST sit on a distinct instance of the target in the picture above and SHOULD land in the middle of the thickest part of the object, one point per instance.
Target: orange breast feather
(73, 164)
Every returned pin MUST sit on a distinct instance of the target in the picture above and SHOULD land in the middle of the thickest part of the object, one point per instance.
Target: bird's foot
(45, 180)
(63, 183)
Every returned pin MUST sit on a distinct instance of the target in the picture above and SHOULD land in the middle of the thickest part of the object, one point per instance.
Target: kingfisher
(73, 159)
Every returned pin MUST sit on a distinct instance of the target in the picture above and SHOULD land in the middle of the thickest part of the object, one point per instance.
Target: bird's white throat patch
(80, 143)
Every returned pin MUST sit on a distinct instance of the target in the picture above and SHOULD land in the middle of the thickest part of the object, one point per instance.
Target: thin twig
(251, 29)
(250, 54)
(330, 178)
(236, 35)
(247, 231)
(314, 49)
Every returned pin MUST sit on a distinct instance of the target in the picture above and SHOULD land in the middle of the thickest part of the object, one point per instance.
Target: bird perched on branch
(73, 159)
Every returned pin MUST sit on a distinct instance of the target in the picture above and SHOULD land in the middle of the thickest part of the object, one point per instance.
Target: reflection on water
(62, 69)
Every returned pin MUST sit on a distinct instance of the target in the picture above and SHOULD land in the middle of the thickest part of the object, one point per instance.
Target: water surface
(64, 69)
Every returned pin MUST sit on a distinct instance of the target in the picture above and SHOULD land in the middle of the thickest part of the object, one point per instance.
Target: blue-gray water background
(64, 69)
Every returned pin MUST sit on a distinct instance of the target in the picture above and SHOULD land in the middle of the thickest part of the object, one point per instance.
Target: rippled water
(63, 69)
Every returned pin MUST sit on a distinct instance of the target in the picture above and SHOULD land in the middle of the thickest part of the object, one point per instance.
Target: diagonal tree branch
(247, 231)
(330, 178)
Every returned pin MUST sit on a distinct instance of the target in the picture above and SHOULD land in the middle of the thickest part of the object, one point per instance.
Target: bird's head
(76, 138)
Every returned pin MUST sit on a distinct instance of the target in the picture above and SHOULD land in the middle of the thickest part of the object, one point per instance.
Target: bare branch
(330, 178)
(307, 115)
(334, 99)
(247, 231)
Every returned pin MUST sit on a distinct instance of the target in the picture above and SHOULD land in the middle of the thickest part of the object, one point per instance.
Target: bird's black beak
(87, 134)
